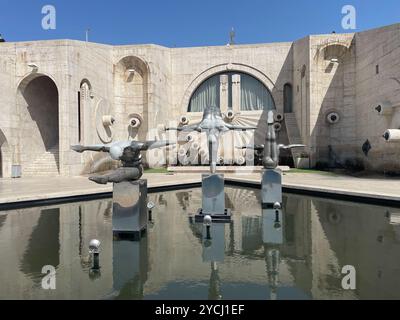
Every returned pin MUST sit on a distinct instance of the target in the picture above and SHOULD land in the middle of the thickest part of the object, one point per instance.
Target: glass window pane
(206, 95)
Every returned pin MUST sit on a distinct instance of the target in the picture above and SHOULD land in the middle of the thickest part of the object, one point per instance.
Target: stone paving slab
(33, 189)
(222, 169)
(374, 187)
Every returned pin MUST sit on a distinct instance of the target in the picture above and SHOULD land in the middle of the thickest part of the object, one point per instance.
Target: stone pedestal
(271, 187)
(213, 199)
(272, 226)
(130, 215)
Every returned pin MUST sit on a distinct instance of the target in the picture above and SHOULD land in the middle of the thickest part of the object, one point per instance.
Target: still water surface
(298, 254)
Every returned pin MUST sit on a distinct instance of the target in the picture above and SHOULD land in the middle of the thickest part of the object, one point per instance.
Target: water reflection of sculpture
(273, 240)
(128, 152)
(213, 238)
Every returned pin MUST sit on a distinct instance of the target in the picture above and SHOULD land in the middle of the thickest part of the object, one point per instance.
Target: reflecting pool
(298, 254)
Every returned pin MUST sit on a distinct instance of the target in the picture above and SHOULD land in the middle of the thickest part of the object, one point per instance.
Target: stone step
(44, 165)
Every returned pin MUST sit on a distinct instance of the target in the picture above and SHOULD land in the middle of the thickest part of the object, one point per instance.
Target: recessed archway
(131, 77)
(3, 146)
(84, 111)
(38, 126)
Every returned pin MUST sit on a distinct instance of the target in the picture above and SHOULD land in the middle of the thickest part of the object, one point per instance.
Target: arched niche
(287, 98)
(38, 139)
(131, 77)
(5, 161)
(85, 114)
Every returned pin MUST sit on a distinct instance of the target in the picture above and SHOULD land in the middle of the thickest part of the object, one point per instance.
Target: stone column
(224, 92)
(236, 93)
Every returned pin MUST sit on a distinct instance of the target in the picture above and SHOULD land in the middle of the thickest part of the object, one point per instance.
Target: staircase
(45, 165)
(293, 132)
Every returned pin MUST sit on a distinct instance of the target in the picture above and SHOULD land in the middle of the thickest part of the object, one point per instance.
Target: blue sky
(185, 23)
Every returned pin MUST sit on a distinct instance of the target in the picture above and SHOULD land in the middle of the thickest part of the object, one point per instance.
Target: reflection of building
(57, 236)
(58, 93)
(252, 257)
(353, 232)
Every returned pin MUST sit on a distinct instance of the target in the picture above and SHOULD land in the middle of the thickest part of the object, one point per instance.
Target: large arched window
(287, 98)
(207, 94)
(236, 89)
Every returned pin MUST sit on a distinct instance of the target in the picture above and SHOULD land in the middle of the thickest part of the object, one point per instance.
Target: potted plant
(302, 161)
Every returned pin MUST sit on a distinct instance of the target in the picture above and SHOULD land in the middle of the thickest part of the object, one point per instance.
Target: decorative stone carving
(103, 121)
(333, 117)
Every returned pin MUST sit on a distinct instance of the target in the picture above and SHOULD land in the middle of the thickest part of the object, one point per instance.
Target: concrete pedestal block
(130, 215)
(271, 186)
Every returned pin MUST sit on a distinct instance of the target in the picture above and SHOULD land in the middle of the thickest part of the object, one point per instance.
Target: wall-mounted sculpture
(271, 176)
(384, 108)
(392, 135)
(333, 117)
(104, 121)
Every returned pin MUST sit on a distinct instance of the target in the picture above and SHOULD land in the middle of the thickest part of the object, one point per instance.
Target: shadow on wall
(334, 133)
(131, 77)
(3, 219)
(3, 143)
(41, 96)
(284, 77)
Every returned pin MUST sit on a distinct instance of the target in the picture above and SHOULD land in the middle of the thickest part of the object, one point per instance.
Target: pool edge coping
(315, 191)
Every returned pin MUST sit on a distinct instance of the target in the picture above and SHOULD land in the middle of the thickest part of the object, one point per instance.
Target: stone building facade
(327, 87)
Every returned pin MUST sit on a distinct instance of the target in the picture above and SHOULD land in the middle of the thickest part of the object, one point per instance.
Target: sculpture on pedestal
(271, 149)
(130, 210)
(271, 177)
(213, 196)
(128, 152)
(213, 125)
